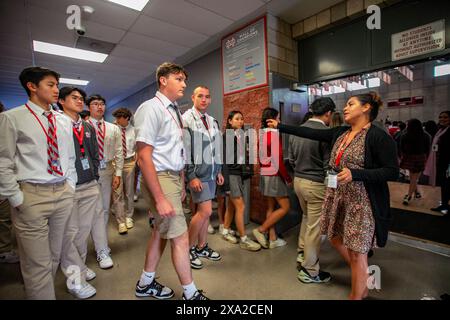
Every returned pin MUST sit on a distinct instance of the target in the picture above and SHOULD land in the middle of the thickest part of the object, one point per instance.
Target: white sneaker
(104, 260)
(90, 274)
(261, 238)
(135, 198)
(250, 245)
(277, 243)
(232, 232)
(129, 223)
(230, 238)
(123, 228)
(211, 229)
(84, 291)
(9, 257)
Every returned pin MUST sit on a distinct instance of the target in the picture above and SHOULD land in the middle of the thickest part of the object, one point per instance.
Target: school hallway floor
(406, 272)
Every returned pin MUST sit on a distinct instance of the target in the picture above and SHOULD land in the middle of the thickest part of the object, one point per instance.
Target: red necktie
(100, 140)
(124, 142)
(53, 164)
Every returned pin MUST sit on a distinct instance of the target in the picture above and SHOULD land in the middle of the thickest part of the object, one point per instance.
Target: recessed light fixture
(133, 4)
(442, 70)
(69, 52)
(73, 81)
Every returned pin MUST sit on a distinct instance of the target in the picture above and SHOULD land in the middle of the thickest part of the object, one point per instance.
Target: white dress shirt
(130, 137)
(23, 151)
(112, 144)
(157, 125)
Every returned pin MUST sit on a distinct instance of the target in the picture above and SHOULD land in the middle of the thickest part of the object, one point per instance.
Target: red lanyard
(42, 126)
(80, 136)
(179, 125)
(97, 131)
(341, 149)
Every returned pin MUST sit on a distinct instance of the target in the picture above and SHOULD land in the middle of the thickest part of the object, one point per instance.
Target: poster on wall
(244, 58)
(418, 41)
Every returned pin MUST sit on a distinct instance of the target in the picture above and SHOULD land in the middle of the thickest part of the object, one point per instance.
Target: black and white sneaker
(305, 277)
(198, 295)
(208, 253)
(154, 289)
(195, 261)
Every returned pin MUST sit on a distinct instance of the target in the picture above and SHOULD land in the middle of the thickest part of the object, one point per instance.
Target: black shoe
(208, 253)
(406, 200)
(305, 277)
(198, 295)
(442, 209)
(195, 261)
(418, 195)
(154, 289)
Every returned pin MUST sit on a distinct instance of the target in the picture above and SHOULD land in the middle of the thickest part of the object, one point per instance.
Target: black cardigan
(380, 166)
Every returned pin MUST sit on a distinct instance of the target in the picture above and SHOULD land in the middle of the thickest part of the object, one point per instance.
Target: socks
(244, 238)
(189, 290)
(146, 278)
(225, 231)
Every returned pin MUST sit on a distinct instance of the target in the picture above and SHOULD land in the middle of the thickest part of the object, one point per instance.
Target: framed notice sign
(244, 58)
(418, 41)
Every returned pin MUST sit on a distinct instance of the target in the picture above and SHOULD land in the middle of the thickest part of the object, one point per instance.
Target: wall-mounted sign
(405, 102)
(244, 58)
(418, 41)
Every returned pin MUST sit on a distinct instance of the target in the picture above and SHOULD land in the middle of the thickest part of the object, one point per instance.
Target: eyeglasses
(78, 98)
(98, 104)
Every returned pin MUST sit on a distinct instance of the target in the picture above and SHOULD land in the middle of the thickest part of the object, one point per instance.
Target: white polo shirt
(157, 124)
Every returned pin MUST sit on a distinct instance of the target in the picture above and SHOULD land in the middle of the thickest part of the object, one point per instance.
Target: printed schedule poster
(244, 58)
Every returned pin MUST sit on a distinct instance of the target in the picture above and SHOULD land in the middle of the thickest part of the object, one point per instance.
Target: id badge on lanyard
(332, 179)
(85, 163)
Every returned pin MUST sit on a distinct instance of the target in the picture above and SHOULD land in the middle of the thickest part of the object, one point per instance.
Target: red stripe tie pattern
(53, 163)
(124, 142)
(100, 140)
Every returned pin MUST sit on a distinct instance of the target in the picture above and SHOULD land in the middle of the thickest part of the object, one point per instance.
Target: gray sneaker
(261, 238)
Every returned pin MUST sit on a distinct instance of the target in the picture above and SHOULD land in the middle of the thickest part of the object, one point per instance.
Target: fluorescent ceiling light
(133, 4)
(442, 70)
(73, 81)
(373, 82)
(68, 52)
(353, 86)
(337, 89)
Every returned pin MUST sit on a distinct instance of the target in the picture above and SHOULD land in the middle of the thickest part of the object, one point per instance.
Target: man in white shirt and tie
(123, 196)
(161, 155)
(110, 152)
(38, 176)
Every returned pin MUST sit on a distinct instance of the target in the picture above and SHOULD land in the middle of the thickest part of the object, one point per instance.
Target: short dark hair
(374, 100)
(84, 114)
(94, 97)
(268, 113)
(122, 113)
(66, 91)
(2, 107)
(168, 68)
(320, 106)
(35, 75)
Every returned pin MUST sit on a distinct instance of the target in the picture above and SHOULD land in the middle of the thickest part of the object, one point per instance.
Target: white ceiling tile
(153, 45)
(188, 16)
(165, 31)
(232, 9)
(141, 55)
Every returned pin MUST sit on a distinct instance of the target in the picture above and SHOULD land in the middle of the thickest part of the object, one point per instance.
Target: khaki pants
(123, 202)
(100, 224)
(39, 227)
(5, 226)
(310, 195)
(175, 226)
(79, 225)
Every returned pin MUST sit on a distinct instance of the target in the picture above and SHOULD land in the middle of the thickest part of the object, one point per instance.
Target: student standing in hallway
(203, 172)
(310, 159)
(7, 255)
(109, 141)
(87, 194)
(38, 176)
(161, 158)
(123, 196)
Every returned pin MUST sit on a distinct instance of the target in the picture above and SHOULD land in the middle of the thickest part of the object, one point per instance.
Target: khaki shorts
(174, 226)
